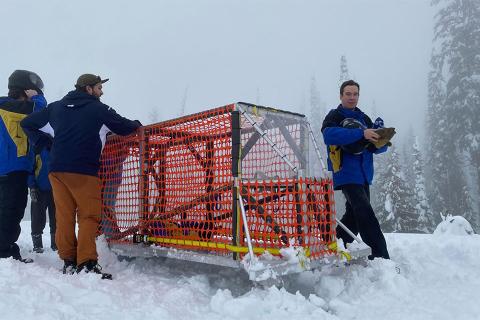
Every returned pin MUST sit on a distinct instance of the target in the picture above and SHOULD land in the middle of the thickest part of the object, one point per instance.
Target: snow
(454, 225)
(429, 277)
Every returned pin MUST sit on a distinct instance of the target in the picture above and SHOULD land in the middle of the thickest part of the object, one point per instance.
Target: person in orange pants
(74, 164)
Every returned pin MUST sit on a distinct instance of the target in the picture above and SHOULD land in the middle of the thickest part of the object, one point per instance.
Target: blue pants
(360, 218)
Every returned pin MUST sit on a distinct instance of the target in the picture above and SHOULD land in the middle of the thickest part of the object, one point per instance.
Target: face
(349, 97)
(96, 90)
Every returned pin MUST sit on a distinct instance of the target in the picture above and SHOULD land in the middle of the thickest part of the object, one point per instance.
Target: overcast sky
(225, 51)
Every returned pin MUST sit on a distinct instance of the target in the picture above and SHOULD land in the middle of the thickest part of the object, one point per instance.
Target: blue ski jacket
(15, 153)
(39, 175)
(76, 121)
(353, 168)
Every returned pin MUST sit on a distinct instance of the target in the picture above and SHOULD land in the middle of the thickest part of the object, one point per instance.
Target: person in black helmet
(16, 161)
(350, 137)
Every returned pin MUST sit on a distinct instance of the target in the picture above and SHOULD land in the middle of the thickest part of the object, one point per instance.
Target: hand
(30, 93)
(44, 141)
(378, 123)
(370, 135)
(34, 194)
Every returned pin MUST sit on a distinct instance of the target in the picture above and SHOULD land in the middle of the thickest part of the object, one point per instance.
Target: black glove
(378, 123)
(34, 194)
(44, 141)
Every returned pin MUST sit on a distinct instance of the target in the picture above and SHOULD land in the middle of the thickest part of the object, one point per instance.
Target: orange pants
(77, 197)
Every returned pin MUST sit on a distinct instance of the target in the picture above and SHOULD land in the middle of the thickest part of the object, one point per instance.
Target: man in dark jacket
(16, 161)
(74, 164)
(349, 135)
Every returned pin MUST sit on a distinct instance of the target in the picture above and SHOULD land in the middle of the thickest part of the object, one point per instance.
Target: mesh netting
(173, 184)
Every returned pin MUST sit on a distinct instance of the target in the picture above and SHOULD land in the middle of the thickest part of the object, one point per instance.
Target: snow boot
(69, 266)
(37, 243)
(53, 244)
(24, 260)
(92, 266)
(15, 254)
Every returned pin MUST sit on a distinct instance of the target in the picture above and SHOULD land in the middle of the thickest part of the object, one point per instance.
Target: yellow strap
(216, 245)
(333, 246)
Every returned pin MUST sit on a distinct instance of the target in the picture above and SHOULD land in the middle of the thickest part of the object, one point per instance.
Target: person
(42, 199)
(74, 164)
(350, 137)
(16, 159)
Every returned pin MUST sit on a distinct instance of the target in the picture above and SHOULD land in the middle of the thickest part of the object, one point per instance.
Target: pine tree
(153, 116)
(378, 187)
(454, 101)
(422, 209)
(344, 76)
(183, 105)
(317, 114)
(397, 213)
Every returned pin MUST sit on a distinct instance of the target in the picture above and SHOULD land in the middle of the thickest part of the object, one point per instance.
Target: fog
(156, 53)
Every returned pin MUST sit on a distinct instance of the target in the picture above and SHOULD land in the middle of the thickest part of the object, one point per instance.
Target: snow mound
(454, 225)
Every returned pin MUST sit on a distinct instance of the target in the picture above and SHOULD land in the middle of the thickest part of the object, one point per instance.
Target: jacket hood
(77, 98)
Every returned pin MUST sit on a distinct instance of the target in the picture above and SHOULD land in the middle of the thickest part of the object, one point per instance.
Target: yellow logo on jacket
(12, 123)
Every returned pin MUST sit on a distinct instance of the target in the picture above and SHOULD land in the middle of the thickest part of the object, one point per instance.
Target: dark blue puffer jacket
(355, 169)
(76, 121)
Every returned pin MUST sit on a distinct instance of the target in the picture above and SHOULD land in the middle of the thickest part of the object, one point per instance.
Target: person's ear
(89, 89)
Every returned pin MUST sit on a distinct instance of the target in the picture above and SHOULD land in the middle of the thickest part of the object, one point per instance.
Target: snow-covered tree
(317, 114)
(396, 212)
(425, 222)
(183, 104)
(407, 156)
(344, 76)
(317, 108)
(153, 116)
(453, 117)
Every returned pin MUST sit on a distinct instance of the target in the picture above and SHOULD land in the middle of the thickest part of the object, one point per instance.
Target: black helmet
(23, 79)
(356, 147)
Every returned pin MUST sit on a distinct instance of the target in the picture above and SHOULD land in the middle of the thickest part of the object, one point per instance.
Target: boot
(69, 267)
(53, 244)
(37, 243)
(15, 253)
(92, 266)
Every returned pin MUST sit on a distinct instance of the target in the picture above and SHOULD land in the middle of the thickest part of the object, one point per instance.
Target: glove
(386, 134)
(34, 194)
(378, 123)
(44, 141)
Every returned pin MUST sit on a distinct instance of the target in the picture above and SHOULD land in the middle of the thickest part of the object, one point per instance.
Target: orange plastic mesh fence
(173, 183)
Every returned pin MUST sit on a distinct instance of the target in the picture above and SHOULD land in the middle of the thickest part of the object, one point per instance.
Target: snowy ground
(438, 278)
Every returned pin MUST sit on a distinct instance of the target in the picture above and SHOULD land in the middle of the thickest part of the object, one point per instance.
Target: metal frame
(279, 266)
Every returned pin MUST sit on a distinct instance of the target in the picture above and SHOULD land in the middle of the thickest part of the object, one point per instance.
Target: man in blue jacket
(42, 200)
(24, 97)
(350, 135)
(74, 163)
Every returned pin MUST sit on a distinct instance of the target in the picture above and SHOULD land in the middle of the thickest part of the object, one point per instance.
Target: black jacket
(76, 121)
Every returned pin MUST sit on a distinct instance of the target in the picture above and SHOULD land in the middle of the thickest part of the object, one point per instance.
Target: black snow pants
(360, 218)
(39, 212)
(13, 200)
